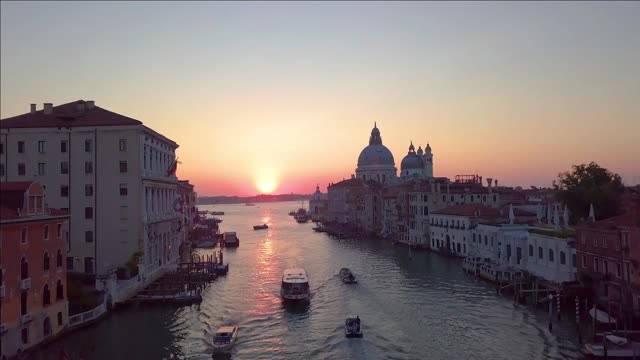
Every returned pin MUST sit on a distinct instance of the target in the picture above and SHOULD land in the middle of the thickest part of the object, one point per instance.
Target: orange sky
(284, 95)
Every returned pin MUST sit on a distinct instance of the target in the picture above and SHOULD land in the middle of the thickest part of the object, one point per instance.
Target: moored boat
(302, 218)
(614, 347)
(352, 327)
(347, 276)
(216, 212)
(230, 239)
(225, 338)
(295, 285)
(260, 227)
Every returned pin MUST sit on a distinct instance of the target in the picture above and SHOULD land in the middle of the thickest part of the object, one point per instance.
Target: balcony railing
(25, 284)
(26, 318)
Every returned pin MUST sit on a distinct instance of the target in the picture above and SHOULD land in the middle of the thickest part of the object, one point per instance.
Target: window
(88, 236)
(88, 167)
(25, 333)
(59, 318)
(583, 238)
(1, 148)
(540, 253)
(23, 235)
(88, 212)
(618, 270)
(605, 266)
(69, 262)
(24, 268)
(530, 250)
(123, 166)
(584, 261)
(123, 189)
(604, 241)
(596, 264)
(1, 169)
(123, 144)
(59, 259)
(550, 255)
(45, 262)
(88, 146)
(64, 191)
(595, 241)
(59, 230)
(59, 290)
(42, 147)
(563, 258)
(425, 198)
(46, 296)
(21, 169)
(625, 239)
(63, 146)
(20, 147)
(40, 168)
(88, 190)
(88, 265)
(573, 260)
(46, 232)
(486, 241)
(64, 167)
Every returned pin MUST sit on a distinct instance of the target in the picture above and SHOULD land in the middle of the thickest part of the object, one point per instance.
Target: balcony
(26, 318)
(25, 284)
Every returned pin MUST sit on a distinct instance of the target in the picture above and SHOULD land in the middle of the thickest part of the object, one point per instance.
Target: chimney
(489, 180)
(48, 108)
(90, 104)
(33, 108)
(480, 180)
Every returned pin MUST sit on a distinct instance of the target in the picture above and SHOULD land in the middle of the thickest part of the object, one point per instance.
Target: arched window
(486, 241)
(426, 210)
(59, 259)
(59, 290)
(46, 296)
(46, 261)
(550, 255)
(46, 327)
(530, 250)
(540, 253)
(426, 198)
(563, 258)
(24, 268)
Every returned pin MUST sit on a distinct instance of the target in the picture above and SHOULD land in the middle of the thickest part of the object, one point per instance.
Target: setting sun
(266, 187)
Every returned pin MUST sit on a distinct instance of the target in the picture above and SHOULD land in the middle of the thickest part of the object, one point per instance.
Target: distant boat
(260, 227)
(319, 229)
(347, 276)
(216, 212)
(302, 218)
(249, 204)
(292, 213)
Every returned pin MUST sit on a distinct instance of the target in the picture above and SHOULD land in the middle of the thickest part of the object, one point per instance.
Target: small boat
(225, 338)
(220, 269)
(352, 328)
(617, 347)
(319, 229)
(347, 276)
(292, 213)
(249, 204)
(302, 218)
(260, 227)
(216, 212)
(230, 239)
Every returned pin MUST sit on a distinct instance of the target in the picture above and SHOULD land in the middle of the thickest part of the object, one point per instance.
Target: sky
(282, 96)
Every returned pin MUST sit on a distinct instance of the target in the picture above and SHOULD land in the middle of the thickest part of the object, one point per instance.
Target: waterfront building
(342, 200)
(115, 176)
(185, 205)
(33, 278)
(550, 254)
(318, 205)
(451, 227)
(608, 258)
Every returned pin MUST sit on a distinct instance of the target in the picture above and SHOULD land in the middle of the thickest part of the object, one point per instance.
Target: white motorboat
(225, 338)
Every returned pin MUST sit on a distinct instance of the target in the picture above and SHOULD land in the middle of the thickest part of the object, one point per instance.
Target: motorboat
(229, 239)
(260, 227)
(347, 276)
(220, 269)
(216, 212)
(295, 284)
(249, 204)
(352, 327)
(319, 229)
(292, 213)
(302, 218)
(225, 338)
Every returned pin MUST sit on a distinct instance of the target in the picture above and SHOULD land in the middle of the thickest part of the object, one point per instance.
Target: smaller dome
(411, 161)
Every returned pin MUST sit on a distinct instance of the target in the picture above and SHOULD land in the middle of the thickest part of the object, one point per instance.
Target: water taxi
(302, 218)
(295, 285)
(260, 227)
(225, 338)
(352, 328)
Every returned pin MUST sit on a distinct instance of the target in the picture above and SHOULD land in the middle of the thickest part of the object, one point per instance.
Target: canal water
(412, 306)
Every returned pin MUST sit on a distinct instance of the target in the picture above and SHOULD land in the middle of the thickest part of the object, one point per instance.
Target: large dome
(376, 154)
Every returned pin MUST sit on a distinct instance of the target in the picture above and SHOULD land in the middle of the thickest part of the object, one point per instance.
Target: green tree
(589, 184)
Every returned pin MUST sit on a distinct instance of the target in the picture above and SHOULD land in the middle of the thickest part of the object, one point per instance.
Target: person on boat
(357, 323)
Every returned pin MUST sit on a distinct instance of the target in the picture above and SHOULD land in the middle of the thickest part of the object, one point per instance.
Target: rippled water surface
(423, 307)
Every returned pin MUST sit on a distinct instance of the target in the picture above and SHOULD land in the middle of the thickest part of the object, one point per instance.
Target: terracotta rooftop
(68, 114)
(468, 210)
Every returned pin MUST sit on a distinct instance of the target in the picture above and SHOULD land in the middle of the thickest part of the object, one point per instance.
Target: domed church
(376, 162)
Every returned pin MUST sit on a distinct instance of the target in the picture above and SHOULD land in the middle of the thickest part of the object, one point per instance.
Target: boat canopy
(602, 317)
(225, 331)
(617, 339)
(294, 276)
